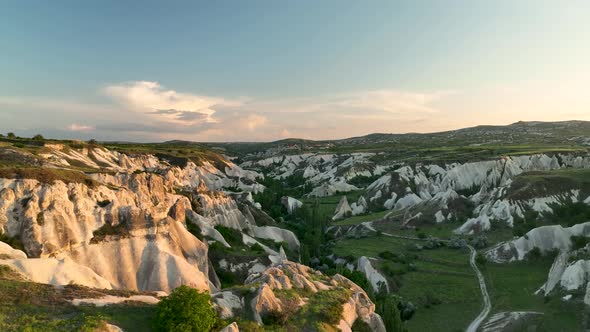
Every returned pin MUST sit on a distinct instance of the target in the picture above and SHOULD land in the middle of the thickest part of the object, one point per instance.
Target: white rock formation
(359, 207)
(343, 210)
(58, 272)
(375, 278)
(546, 238)
(110, 299)
(291, 204)
(288, 275)
(233, 327)
(575, 275)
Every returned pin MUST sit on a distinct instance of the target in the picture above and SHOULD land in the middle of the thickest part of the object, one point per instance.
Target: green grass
(441, 273)
(26, 306)
(328, 204)
(46, 175)
(511, 287)
(547, 183)
(361, 218)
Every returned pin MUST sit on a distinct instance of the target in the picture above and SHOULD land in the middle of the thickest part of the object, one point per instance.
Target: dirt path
(487, 304)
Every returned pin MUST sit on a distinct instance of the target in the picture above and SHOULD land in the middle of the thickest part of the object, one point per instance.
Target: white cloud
(254, 121)
(385, 100)
(79, 127)
(153, 99)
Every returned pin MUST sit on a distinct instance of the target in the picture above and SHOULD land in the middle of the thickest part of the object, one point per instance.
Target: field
(439, 275)
(511, 288)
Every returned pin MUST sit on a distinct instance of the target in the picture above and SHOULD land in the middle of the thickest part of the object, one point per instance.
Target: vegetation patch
(47, 175)
(14, 242)
(107, 229)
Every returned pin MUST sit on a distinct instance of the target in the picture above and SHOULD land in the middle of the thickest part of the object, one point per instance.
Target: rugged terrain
(413, 231)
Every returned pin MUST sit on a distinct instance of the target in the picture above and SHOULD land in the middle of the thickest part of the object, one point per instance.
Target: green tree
(387, 307)
(185, 310)
(11, 135)
(38, 137)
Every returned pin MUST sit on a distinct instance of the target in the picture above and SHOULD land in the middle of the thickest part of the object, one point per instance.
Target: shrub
(38, 137)
(360, 325)
(534, 254)
(103, 203)
(232, 236)
(40, 219)
(327, 305)
(388, 307)
(430, 300)
(12, 241)
(275, 317)
(185, 310)
(257, 247)
(11, 135)
(480, 260)
(194, 229)
(579, 242)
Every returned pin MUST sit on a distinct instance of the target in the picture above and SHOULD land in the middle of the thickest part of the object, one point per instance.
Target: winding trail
(487, 304)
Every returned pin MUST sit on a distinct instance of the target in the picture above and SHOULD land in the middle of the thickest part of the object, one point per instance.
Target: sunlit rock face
(267, 287)
(126, 230)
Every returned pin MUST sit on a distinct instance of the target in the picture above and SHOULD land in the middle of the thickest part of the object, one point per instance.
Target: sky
(266, 70)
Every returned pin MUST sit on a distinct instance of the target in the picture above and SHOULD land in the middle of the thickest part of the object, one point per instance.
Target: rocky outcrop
(575, 275)
(360, 206)
(228, 304)
(305, 282)
(128, 226)
(138, 226)
(233, 327)
(343, 210)
(58, 272)
(291, 204)
(376, 279)
(546, 238)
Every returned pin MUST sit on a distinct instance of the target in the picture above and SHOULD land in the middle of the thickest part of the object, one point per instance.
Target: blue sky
(264, 70)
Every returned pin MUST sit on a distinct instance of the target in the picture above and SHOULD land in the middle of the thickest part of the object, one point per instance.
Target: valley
(384, 232)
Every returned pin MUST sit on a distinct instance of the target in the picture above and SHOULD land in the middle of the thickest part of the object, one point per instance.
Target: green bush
(12, 241)
(275, 318)
(194, 229)
(103, 203)
(579, 242)
(534, 254)
(360, 325)
(185, 310)
(232, 236)
(257, 248)
(481, 259)
(40, 219)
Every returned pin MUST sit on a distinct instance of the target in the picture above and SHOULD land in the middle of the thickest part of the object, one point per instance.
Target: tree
(387, 307)
(185, 310)
(11, 135)
(38, 137)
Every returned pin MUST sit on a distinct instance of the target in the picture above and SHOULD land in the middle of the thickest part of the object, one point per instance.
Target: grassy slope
(511, 287)
(442, 273)
(540, 184)
(42, 307)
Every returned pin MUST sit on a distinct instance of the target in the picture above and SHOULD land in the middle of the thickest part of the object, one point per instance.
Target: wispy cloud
(153, 99)
(384, 100)
(149, 110)
(79, 127)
